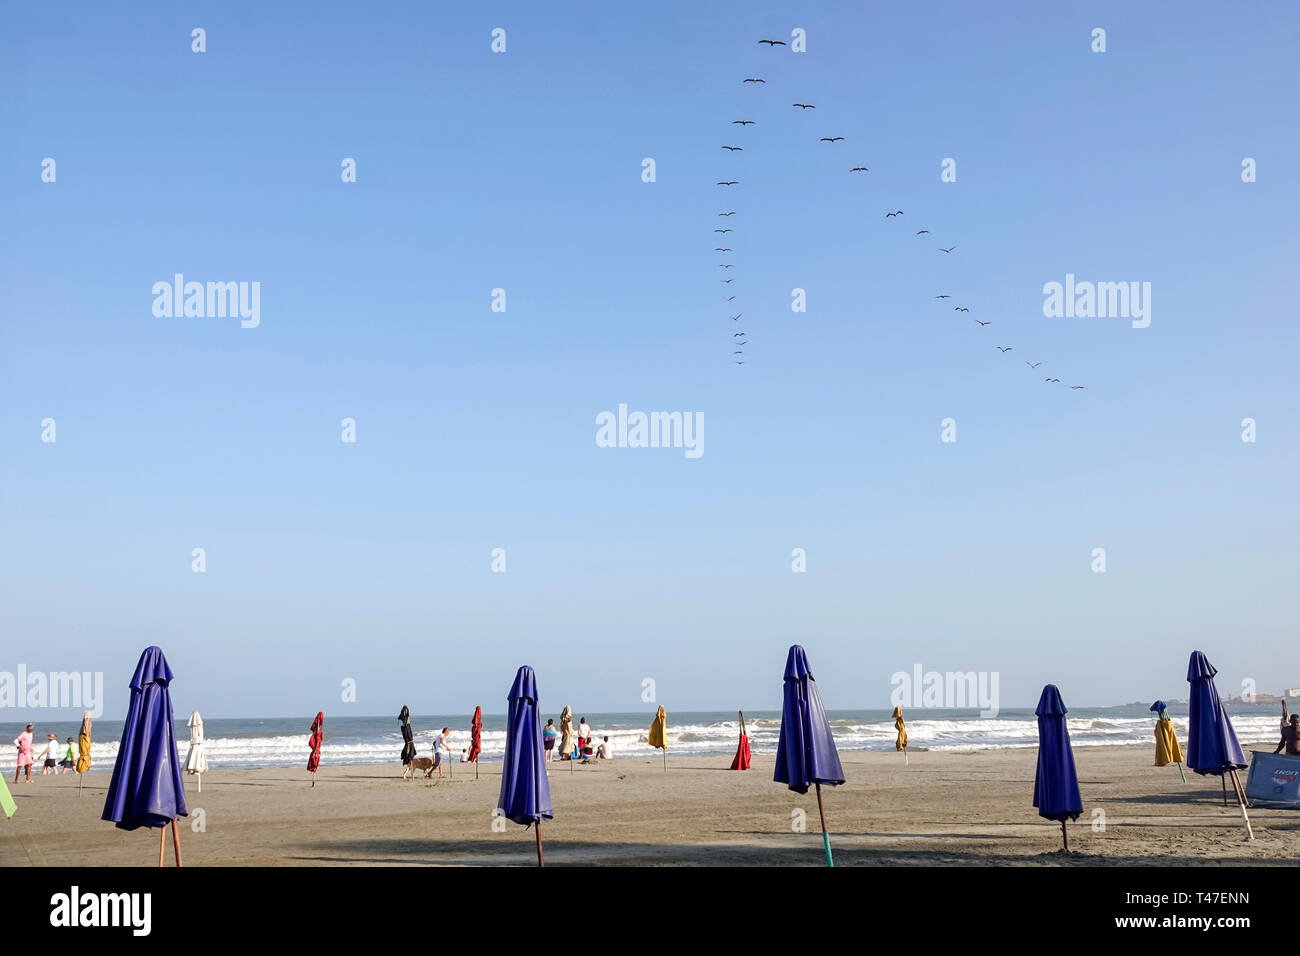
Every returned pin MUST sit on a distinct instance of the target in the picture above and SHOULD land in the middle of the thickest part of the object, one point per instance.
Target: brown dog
(418, 763)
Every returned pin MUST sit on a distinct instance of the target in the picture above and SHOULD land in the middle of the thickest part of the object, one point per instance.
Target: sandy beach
(941, 808)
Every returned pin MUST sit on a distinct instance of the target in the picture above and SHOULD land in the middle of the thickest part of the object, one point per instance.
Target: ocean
(251, 743)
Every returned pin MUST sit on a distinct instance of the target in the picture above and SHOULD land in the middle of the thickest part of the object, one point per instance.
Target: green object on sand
(6, 799)
(826, 842)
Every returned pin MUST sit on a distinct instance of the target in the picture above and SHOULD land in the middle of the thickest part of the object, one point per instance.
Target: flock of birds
(739, 338)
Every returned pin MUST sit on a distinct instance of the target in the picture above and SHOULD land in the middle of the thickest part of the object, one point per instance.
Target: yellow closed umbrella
(1167, 749)
(83, 749)
(901, 742)
(658, 735)
(566, 736)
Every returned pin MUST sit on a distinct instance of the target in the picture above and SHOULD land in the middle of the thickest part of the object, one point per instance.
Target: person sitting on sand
(605, 751)
(69, 761)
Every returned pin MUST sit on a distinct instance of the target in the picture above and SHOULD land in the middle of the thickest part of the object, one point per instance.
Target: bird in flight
(949, 249)
(923, 232)
(1051, 380)
(731, 182)
(960, 308)
(726, 281)
(1004, 350)
(740, 363)
(943, 297)
(736, 316)
(1073, 387)
(737, 334)
(859, 169)
(830, 139)
(773, 42)
(721, 249)
(724, 231)
(984, 323)
(742, 123)
(735, 149)
(732, 213)
(895, 213)
(729, 298)
(738, 352)
(754, 79)
(724, 265)
(1033, 364)
(805, 106)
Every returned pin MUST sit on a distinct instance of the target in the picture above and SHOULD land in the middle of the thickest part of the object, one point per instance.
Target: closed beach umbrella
(146, 789)
(1167, 749)
(314, 742)
(566, 732)
(476, 738)
(805, 753)
(1056, 785)
(900, 742)
(742, 758)
(525, 793)
(1212, 746)
(408, 739)
(196, 761)
(83, 749)
(658, 735)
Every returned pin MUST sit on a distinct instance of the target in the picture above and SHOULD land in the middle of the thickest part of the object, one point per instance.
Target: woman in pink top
(24, 745)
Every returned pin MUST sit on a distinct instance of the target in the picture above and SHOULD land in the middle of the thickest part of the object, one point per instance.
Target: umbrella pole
(176, 842)
(162, 843)
(1241, 802)
(538, 827)
(1224, 780)
(906, 762)
(81, 778)
(1065, 837)
(826, 837)
(200, 783)
(1181, 774)
(665, 760)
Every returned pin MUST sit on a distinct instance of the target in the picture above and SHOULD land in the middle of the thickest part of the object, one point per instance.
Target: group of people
(26, 746)
(574, 746)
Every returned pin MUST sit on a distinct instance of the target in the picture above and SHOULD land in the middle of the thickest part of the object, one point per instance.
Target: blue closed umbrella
(805, 753)
(525, 793)
(146, 788)
(1056, 785)
(1212, 746)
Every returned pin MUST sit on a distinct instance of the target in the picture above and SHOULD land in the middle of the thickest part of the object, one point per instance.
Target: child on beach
(48, 754)
(69, 761)
(24, 745)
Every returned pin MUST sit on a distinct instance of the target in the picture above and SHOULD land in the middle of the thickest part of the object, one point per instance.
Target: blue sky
(476, 428)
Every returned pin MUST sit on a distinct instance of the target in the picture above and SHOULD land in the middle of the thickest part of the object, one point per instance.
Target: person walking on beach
(24, 745)
(549, 733)
(442, 750)
(50, 764)
(69, 761)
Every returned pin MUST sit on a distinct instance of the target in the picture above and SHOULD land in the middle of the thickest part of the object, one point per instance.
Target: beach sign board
(1274, 781)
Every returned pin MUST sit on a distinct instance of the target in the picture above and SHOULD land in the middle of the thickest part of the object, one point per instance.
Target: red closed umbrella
(476, 738)
(742, 751)
(314, 741)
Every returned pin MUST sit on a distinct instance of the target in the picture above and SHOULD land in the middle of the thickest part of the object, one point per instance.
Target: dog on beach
(418, 763)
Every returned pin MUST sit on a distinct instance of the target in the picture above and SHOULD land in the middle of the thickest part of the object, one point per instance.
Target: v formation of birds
(739, 337)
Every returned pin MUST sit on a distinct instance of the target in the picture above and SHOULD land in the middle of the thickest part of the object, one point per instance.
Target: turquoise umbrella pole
(826, 837)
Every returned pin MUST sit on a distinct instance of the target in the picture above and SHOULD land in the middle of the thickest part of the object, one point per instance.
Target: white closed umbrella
(196, 761)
